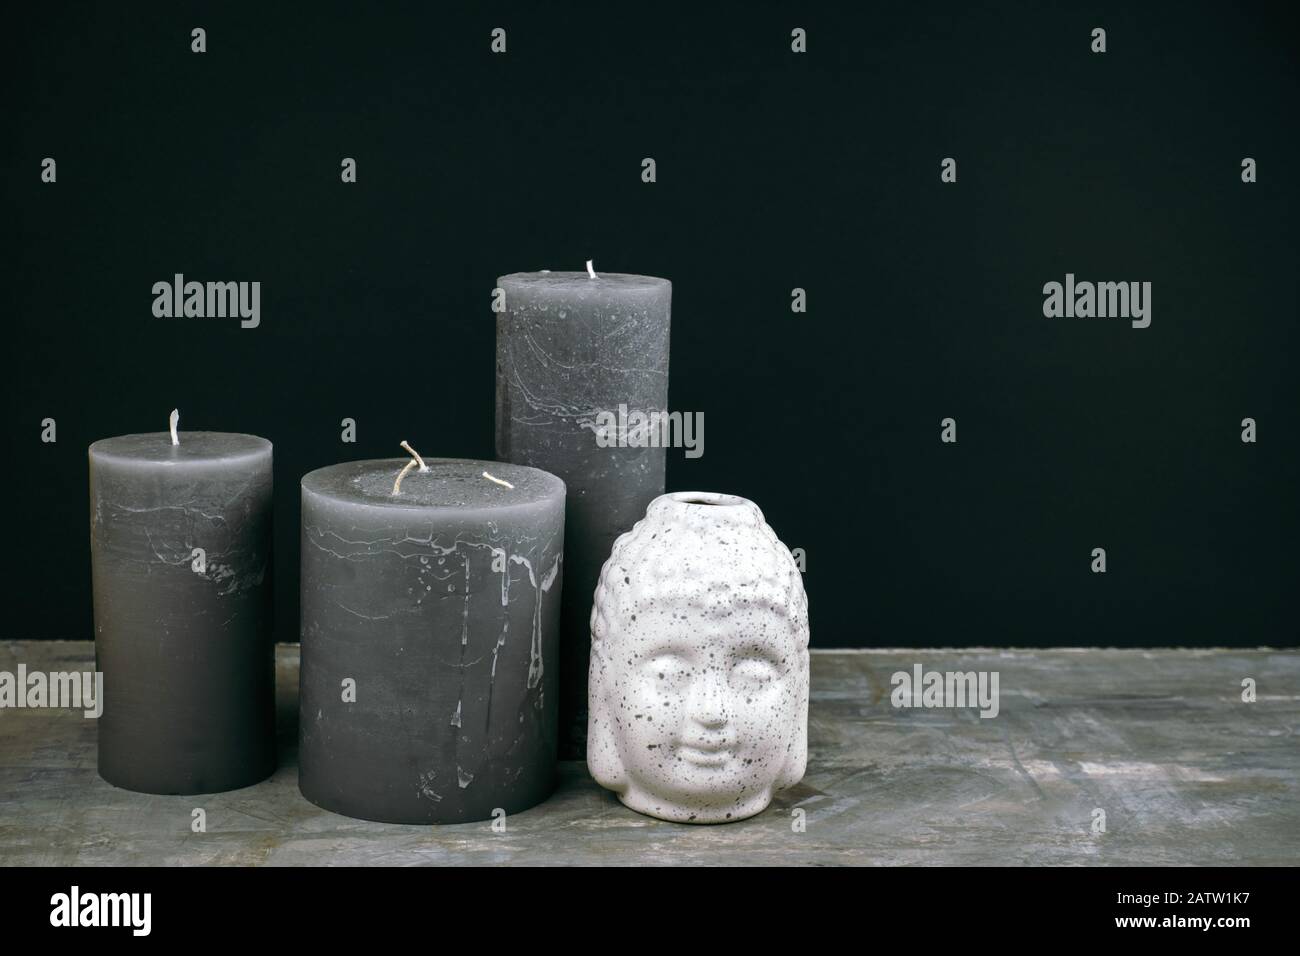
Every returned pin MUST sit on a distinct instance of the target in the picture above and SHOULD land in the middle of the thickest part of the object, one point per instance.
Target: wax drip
(498, 481)
(464, 624)
(415, 460)
(171, 423)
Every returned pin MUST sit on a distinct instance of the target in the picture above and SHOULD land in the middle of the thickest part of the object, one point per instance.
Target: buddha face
(699, 686)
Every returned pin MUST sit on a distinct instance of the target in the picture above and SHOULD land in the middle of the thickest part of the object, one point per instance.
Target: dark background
(775, 170)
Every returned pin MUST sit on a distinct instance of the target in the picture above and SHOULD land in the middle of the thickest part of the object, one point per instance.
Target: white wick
(498, 480)
(415, 460)
(591, 273)
(419, 460)
(171, 423)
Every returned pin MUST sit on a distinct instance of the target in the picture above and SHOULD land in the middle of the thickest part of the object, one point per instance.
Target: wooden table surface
(1161, 741)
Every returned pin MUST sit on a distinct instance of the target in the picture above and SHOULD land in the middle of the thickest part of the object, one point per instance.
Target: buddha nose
(708, 705)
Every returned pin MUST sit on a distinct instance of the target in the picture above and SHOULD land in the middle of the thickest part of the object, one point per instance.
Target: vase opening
(707, 498)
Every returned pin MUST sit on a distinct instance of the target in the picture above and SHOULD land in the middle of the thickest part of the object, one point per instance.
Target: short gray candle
(180, 542)
(429, 635)
(569, 346)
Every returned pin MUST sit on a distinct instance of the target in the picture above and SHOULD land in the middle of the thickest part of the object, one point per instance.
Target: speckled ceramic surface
(698, 688)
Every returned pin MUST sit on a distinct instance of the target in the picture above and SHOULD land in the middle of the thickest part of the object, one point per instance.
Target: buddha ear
(604, 758)
(797, 761)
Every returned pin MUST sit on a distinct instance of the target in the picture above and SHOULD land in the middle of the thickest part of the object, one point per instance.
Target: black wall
(775, 170)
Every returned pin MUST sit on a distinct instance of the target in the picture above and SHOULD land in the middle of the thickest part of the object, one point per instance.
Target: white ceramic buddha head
(698, 687)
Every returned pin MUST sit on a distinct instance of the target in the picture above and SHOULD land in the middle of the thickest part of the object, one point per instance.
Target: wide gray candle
(429, 634)
(571, 345)
(180, 542)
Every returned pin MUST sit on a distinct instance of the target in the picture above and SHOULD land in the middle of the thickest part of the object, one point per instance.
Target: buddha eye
(753, 671)
(669, 672)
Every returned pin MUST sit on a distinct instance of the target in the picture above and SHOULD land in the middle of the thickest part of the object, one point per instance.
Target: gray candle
(429, 633)
(180, 541)
(570, 346)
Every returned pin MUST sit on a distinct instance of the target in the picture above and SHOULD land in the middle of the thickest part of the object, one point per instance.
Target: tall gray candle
(430, 615)
(180, 543)
(571, 345)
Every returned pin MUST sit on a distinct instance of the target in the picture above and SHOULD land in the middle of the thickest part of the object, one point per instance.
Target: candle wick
(171, 423)
(419, 460)
(591, 273)
(498, 480)
(415, 460)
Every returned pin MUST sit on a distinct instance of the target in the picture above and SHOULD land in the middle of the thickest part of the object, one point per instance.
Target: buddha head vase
(698, 687)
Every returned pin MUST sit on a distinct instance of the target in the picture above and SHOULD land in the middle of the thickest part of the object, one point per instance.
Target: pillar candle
(429, 633)
(180, 542)
(571, 345)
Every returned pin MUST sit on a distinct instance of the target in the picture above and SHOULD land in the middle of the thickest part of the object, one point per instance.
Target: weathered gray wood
(1160, 740)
